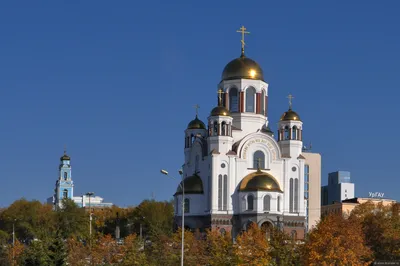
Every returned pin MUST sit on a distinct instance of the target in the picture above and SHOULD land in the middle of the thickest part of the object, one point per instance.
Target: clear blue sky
(116, 81)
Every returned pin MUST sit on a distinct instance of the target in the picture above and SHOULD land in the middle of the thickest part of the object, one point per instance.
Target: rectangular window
(296, 195)
(291, 195)
(225, 193)
(220, 192)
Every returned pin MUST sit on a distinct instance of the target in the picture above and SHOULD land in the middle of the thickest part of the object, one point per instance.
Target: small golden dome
(290, 115)
(192, 184)
(242, 67)
(196, 124)
(259, 181)
(220, 111)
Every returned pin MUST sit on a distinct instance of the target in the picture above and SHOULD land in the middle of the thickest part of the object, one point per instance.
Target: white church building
(236, 172)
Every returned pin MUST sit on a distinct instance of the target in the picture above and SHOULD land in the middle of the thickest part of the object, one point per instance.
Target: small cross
(65, 149)
(196, 106)
(220, 92)
(243, 31)
(290, 97)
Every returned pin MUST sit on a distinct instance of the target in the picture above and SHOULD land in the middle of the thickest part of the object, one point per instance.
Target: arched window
(65, 194)
(296, 195)
(65, 175)
(278, 204)
(187, 205)
(220, 192)
(291, 195)
(263, 102)
(233, 100)
(259, 160)
(224, 129)
(225, 193)
(215, 128)
(250, 202)
(176, 205)
(267, 203)
(294, 133)
(250, 100)
(196, 165)
(287, 133)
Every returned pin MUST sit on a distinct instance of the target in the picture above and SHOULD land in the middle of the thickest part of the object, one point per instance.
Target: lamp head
(164, 172)
(180, 171)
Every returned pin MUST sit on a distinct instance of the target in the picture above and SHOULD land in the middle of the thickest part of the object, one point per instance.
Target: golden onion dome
(259, 181)
(193, 185)
(196, 124)
(220, 111)
(290, 115)
(242, 68)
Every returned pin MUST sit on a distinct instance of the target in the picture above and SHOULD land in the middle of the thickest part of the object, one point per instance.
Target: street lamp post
(182, 185)
(89, 194)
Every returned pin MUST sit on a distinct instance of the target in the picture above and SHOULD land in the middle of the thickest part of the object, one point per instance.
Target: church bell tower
(64, 185)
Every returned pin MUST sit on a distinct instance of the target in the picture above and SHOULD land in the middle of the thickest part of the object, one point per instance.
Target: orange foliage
(106, 251)
(337, 241)
(15, 252)
(77, 253)
(252, 247)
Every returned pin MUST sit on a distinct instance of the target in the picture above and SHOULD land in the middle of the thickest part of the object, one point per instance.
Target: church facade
(236, 172)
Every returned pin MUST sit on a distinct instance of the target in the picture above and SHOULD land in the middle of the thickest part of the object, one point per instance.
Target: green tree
(32, 220)
(37, 253)
(156, 218)
(72, 220)
(58, 252)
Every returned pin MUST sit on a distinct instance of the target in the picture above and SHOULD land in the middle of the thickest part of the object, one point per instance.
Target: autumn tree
(133, 250)
(77, 252)
(381, 227)
(283, 249)
(220, 248)
(337, 241)
(252, 247)
(14, 254)
(31, 220)
(106, 251)
(106, 219)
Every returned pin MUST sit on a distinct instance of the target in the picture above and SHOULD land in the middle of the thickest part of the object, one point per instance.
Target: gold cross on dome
(196, 106)
(290, 97)
(220, 92)
(243, 31)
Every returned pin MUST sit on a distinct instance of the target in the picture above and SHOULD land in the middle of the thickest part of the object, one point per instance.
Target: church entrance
(267, 228)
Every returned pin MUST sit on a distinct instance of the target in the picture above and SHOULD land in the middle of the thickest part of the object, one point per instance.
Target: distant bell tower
(64, 184)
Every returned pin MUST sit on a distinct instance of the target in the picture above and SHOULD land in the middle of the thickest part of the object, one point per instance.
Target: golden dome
(290, 115)
(196, 124)
(242, 67)
(259, 181)
(192, 184)
(220, 111)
